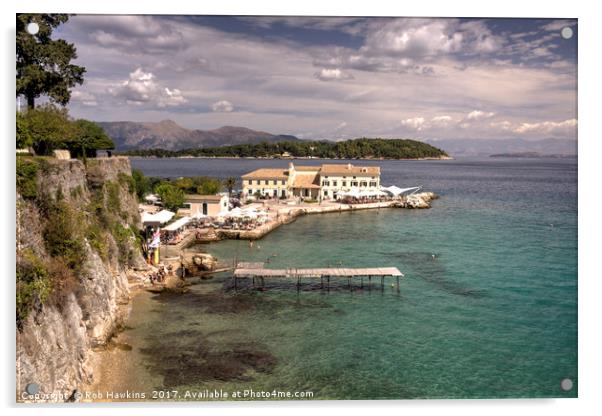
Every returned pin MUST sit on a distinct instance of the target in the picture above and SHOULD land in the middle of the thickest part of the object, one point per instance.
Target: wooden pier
(257, 271)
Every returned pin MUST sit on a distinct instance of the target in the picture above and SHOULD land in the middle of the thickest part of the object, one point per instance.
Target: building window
(306, 191)
(204, 208)
(250, 192)
(326, 183)
(325, 193)
(354, 183)
(250, 182)
(266, 182)
(334, 183)
(283, 182)
(258, 182)
(283, 193)
(363, 183)
(344, 183)
(275, 192)
(373, 184)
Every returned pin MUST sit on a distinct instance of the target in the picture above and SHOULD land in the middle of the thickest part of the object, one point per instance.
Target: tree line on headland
(364, 148)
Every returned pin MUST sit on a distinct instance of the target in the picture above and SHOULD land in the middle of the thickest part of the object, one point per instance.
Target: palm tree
(230, 183)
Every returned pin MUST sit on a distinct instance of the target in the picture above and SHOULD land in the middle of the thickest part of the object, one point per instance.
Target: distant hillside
(167, 134)
(363, 148)
(486, 147)
(532, 155)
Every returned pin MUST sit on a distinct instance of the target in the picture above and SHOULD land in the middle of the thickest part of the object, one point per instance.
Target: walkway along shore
(286, 215)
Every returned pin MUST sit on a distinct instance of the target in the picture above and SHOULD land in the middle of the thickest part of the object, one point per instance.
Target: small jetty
(258, 272)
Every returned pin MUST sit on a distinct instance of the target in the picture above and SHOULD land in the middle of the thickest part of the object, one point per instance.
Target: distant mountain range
(487, 147)
(169, 135)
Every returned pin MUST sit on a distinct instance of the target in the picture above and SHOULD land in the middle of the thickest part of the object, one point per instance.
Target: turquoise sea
(492, 315)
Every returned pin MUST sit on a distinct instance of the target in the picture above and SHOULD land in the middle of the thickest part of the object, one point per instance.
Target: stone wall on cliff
(55, 340)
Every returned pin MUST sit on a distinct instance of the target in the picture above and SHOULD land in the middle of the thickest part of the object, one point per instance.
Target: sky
(331, 78)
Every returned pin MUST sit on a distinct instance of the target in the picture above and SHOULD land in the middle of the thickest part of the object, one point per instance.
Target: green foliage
(209, 186)
(26, 178)
(123, 237)
(127, 181)
(87, 138)
(44, 64)
(142, 184)
(24, 139)
(113, 199)
(229, 184)
(76, 192)
(33, 285)
(97, 238)
(62, 233)
(363, 148)
(171, 196)
(107, 215)
(48, 127)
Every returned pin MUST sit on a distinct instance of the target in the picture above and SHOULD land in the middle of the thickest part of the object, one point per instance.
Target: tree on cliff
(44, 64)
(45, 128)
(88, 137)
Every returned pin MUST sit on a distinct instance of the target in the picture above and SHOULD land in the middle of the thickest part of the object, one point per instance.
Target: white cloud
(222, 106)
(558, 25)
(479, 115)
(417, 123)
(409, 44)
(335, 74)
(441, 120)
(278, 81)
(547, 126)
(85, 98)
(142, 88)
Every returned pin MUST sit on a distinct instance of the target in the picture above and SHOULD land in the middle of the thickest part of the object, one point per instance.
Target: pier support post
(235, 283)
(397, 284)
(349, 283)
(321, 282)
(382, 283)
(370, 283)
(328, 278)
(362, 282)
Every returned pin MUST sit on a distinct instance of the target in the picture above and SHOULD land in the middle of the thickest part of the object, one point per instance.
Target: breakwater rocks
(76, 248)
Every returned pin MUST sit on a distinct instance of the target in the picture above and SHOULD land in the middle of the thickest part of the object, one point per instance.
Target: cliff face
(72, 292)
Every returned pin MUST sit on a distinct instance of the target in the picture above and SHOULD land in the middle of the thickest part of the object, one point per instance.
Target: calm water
(493, 315)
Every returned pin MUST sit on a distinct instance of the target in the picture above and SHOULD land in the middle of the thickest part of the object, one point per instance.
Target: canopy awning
(396, 191)
(176, 225)
(160, 217)
(151, 198)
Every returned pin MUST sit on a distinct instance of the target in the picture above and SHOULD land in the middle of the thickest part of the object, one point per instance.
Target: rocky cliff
(77, 230)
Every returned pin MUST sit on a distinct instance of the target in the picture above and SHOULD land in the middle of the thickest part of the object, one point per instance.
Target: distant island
(532, 155)
(363, 148)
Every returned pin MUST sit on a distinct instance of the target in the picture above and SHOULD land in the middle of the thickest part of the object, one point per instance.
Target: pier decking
(258, 271)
